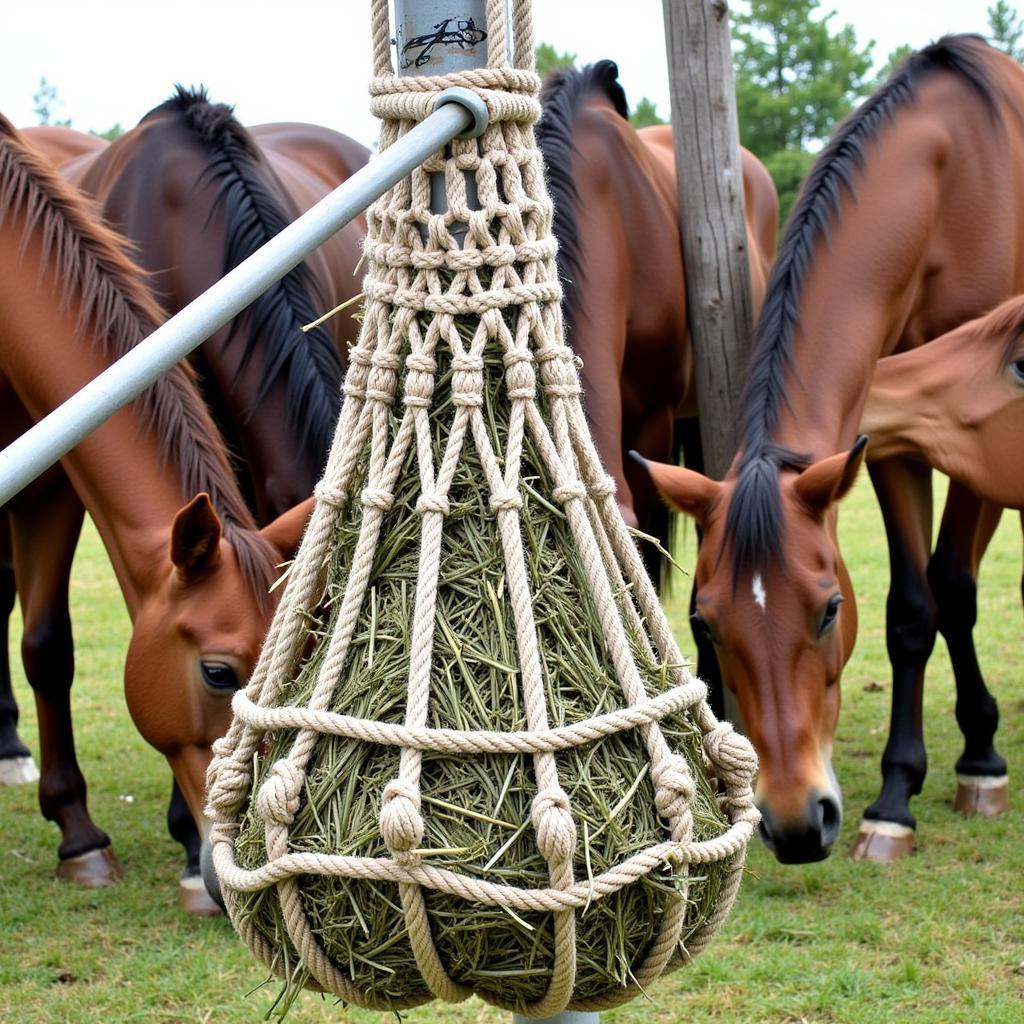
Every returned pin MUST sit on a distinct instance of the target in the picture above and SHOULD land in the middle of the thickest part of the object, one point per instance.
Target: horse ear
(195, 538)
(286, 531)
(682, 489)
(830, 480)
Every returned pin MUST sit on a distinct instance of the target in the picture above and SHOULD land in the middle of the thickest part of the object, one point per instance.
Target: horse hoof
(92, 870)
(987, 795)
(882, 842)
(195, 899)
(18, 771)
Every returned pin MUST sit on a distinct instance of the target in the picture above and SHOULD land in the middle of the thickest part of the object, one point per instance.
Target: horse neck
(887, 275)
(155, 185)
(130, 489)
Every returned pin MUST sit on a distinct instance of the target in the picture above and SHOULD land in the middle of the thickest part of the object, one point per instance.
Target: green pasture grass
(936, 938)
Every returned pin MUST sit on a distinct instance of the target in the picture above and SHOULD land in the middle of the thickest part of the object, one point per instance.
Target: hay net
(470, 757)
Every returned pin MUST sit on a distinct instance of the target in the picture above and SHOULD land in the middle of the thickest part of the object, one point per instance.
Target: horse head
(783, 622)
(197, 634)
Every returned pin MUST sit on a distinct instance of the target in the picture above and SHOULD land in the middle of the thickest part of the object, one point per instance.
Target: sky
(308, 60)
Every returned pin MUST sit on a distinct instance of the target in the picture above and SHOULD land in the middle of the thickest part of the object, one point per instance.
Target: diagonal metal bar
(57, 433)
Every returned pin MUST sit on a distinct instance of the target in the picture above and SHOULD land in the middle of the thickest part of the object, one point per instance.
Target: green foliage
(787, 168)
(46, 101)
(892, 62)
(115, 131)
(1006, 29)
(548, 58)
(795, 77)
(645, 113)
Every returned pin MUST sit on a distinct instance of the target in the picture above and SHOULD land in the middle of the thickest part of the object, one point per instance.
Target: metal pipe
(565, 1017)
(57, 433)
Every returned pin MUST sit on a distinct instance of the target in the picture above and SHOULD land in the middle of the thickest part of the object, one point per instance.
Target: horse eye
(1017, 369)
(828, 620)
(702, 629)
(218, 676)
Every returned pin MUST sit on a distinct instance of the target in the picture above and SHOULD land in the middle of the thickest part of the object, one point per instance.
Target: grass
(937, 938)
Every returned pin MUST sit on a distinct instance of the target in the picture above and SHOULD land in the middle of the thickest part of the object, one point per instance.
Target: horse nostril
(831, 818)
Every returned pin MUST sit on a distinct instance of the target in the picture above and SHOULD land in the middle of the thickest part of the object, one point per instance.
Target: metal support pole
(56, 434)
(565, 1017)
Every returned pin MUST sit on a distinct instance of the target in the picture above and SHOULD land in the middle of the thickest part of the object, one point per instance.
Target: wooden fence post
(711, 216)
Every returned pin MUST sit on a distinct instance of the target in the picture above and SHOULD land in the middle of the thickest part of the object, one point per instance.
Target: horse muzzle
(806, 838)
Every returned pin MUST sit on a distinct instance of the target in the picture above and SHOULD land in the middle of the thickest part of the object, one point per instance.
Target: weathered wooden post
(712, 224)
(711, 216)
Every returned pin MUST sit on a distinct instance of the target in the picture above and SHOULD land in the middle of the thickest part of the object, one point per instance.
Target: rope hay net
(471, 758)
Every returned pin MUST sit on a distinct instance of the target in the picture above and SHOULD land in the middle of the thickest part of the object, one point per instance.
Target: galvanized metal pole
(437, 37)
(56, 434)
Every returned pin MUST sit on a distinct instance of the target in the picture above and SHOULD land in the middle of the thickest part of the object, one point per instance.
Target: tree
(548, 58)
(645, 113)
(795, 78)
(115, 131)
(46, 102)
(893, 61)
(1006, 29)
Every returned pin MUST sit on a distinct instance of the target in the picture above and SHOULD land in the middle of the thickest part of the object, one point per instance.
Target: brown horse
(910, 223)
(194, 578)
(620, 259)
(197, 193)
(958, 405)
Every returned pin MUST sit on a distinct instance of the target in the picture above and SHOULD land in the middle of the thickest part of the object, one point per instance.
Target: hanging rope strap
(421, 285)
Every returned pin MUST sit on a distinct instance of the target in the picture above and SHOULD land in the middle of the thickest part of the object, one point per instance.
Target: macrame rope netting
(421, 284)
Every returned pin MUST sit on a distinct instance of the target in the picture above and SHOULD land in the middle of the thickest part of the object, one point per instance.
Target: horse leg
(192, 892)
(45, 534)
(905, 497)
(967, 526)
(16, 763)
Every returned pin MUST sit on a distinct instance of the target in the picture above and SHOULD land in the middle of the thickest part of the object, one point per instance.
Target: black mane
(755, 516)
(562, 95)
(253, 215)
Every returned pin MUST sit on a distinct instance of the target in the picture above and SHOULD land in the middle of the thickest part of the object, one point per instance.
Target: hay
(476, 809)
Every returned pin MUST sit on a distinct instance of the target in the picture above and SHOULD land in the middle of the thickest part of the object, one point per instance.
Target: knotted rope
(421, 285)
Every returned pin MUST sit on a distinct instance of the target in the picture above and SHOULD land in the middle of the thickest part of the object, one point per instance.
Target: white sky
(308, 60)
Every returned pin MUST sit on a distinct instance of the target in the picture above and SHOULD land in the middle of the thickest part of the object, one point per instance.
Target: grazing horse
(910, 222)
(156, 479)
(197, 193)
(958, 405)
(620, 260)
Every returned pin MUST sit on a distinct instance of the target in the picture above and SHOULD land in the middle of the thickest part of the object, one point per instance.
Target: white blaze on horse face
(760, 595)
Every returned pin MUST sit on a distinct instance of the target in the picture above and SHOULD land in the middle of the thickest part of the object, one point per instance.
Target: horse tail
(253, 214)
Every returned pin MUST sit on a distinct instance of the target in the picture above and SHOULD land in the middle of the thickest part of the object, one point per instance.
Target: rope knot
(505, 501)
(553, 823)
(431, 501)
(328, 494)
(401, 824)
(603, 487)
(520, 378)
(732, 754)
(378, 499)
(565, 493)
(279, 796)
(673, 787)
